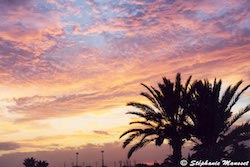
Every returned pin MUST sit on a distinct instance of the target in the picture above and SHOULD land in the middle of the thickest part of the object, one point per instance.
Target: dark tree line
(197, 112)
(32, 162)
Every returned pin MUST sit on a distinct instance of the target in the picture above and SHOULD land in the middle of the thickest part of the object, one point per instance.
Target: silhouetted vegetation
(29, 162)
(32, 162)
(239, 152)
(213, 120)
(195, 112)
(166, 119)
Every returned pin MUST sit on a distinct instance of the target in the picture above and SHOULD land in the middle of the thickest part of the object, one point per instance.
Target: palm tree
(42, 163)
(29, 162)
(214, 122)
(164, 119)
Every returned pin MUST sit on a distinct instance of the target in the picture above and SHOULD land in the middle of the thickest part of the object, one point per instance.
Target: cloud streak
(9, 146)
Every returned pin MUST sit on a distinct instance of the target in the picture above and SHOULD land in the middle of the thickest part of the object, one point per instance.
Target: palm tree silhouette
(164, 119)
(32, 162)
(42, 163)
(29, 162)
(214, 129)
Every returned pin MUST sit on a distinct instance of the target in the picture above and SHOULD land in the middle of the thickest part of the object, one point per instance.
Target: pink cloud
(30, 30)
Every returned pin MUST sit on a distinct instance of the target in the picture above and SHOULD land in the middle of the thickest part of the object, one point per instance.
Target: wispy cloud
(9, 146)
(101, 132)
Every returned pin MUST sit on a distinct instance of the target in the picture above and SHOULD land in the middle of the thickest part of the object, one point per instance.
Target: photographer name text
(218, 163)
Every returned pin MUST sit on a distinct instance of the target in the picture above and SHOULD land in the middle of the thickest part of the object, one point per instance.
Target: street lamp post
(102, 158)
(77, 159)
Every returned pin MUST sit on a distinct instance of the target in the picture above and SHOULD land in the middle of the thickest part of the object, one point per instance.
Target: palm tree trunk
(177, 152)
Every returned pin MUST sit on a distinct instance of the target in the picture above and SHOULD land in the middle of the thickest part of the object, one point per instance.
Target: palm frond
(228, 95)
(178, 85)
(159, 140)
(131, 131)
(154, 117)
(145, 133)
(187, 83)
(129, 139)
(150, 98)
(141, 106)
(236, 117)
(140, 114)
(138, 146)
(238, 134)
(151, 90)
(142, 122)
(216, 89)
(237, 97)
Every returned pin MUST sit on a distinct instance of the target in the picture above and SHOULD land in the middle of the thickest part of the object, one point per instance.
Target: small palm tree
(164, 119)
(29, 162)
(214, 121)
(42, 164)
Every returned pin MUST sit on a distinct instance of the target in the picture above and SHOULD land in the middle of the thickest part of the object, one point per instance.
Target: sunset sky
(68, 68)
